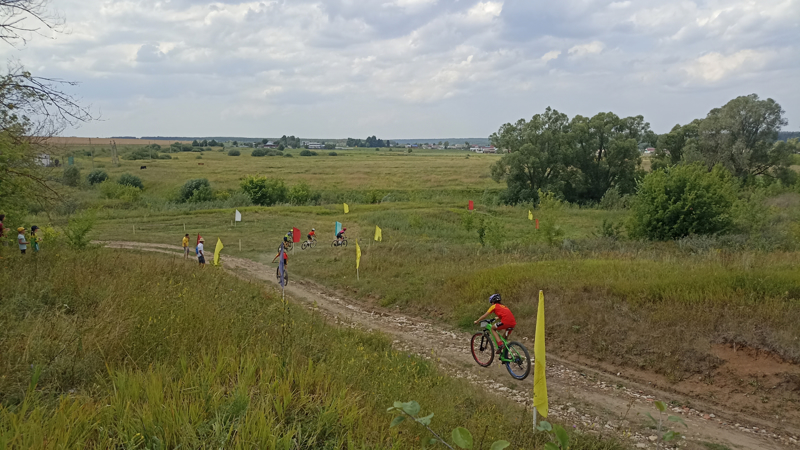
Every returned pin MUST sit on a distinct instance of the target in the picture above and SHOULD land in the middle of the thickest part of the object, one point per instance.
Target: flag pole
(534, 419)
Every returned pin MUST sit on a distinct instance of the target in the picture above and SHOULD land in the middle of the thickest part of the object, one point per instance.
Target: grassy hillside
(119, 349)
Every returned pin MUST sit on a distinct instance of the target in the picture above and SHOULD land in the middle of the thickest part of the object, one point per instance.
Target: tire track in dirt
(593, 401)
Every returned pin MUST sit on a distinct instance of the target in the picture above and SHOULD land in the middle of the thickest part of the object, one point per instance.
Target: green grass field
(114, 349)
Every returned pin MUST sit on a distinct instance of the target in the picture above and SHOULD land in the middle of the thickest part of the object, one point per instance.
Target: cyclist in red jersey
(506, 320)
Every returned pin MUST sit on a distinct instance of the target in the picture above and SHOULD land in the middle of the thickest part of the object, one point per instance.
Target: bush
(165, 156)
(127, 179)
(259, 152)
(96, 176)
(188, 190)
(72, 176)
(288, 155)
(264, 191)
(119, 191)
(307, 152)
(300, 194)
(683, 200)
(198, 157)
(78, 229)
(332, 154)
(234, 152)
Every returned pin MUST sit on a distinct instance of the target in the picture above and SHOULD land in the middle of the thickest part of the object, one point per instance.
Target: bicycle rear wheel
(482, 349)
(304, 245)
(520, 365)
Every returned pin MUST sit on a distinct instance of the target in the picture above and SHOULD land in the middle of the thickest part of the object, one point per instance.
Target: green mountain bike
(514, 355)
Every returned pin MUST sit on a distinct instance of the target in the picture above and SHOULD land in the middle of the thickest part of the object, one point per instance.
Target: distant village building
(649, 151)
(43, 160)
(489, 149)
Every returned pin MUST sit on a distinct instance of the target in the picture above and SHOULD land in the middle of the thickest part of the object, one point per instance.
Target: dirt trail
(594, 401)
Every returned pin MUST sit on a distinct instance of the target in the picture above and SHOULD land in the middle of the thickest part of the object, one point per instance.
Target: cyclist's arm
(486, 314)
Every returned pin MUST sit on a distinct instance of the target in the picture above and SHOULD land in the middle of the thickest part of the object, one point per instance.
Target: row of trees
(206, 143)
(370, 141)
(582, 158)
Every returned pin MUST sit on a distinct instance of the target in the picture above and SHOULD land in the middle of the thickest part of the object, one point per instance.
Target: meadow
(660, 308)
(104, 348)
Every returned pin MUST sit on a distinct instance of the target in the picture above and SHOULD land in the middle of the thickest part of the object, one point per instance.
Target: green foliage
(97, 176)
(557, 433)
(681, 201)
(612, 199)
(668, 434)
(307, 152)
(111, 190)
(72, 176)
(191, 186)
(78, 229)
(609, 229)
(468, 221)
(460, 436)
(300, 194)
(264, 191)
(127, 179)
(409, 150)
(234, 152)
(333, 153)
(259, 152)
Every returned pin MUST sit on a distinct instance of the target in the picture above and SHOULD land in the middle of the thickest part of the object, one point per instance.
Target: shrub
(683, 200)
(188, 189)
(264, 191)
(288, 155)
(78, 229)
(333, 154)
(119, 191)
(234, 152)
(96, 176)
(165, 156)
(72, 176)
(127, 179)
(300, 194)
(259, 152)
(198, 157)
(409, 151)
(307, 152)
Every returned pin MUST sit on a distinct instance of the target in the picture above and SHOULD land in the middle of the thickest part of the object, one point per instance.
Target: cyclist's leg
(496, 336)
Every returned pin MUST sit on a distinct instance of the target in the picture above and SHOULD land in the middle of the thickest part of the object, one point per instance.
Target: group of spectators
(22, 240)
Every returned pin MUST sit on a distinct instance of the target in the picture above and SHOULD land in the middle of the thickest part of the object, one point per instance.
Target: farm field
(671, 313)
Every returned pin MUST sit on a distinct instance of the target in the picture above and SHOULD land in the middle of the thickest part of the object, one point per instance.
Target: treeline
(371, 141)
(205, 143)
(581, 159)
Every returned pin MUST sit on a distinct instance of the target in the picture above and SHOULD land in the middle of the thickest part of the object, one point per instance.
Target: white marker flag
(238, 216)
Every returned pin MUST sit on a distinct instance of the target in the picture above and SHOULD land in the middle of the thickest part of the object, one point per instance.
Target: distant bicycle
(288, 245)
(285, 276)
(307, 244)
(336, 243)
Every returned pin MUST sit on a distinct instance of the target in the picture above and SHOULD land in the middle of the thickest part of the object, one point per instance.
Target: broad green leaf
(411, 408)
(544, 426)
(396, 421)
(433, 441)
(499, 445)
(660, 405)
(550, 446)
(426, 420)
(562, 436)
(462, 437)
(677, 419)
(670, 435)
(652, 418)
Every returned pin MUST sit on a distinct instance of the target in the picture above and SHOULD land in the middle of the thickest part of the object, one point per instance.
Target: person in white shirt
(23, 244)
(201, 256)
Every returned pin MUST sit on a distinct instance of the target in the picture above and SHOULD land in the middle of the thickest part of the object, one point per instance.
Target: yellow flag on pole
(539, 363)
(378, 235)
(216, 251)
(346, 208)
(358, 255)
(530, 215)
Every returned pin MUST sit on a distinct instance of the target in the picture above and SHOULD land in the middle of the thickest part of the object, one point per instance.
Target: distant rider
(506, 320)
(312, 235)
(340, 236)
(285, 261)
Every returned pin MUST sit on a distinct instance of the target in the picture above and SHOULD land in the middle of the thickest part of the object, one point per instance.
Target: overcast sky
(411, 68)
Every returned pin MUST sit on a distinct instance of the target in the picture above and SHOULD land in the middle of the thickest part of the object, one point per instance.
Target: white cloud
(552, 54)
(716, 66)
(484, 11)
(587, 49)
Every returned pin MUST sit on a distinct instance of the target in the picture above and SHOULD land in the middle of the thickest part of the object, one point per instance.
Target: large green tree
(538, 152)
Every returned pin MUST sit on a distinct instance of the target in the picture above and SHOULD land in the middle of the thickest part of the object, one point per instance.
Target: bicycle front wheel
(482, 349)
(313, 243)
(288, 246)
(520, 365)
(344, 242)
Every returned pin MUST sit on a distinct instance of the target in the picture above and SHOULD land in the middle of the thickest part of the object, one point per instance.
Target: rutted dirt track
(591, 400)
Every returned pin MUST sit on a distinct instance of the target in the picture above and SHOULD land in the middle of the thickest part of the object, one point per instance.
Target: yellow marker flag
(358, 255)
(530, 215)
(346, 208)
(539, 363)
(378, 235)
(216, 252)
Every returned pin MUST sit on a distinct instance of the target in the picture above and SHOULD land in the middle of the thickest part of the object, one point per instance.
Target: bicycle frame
(497, 344)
